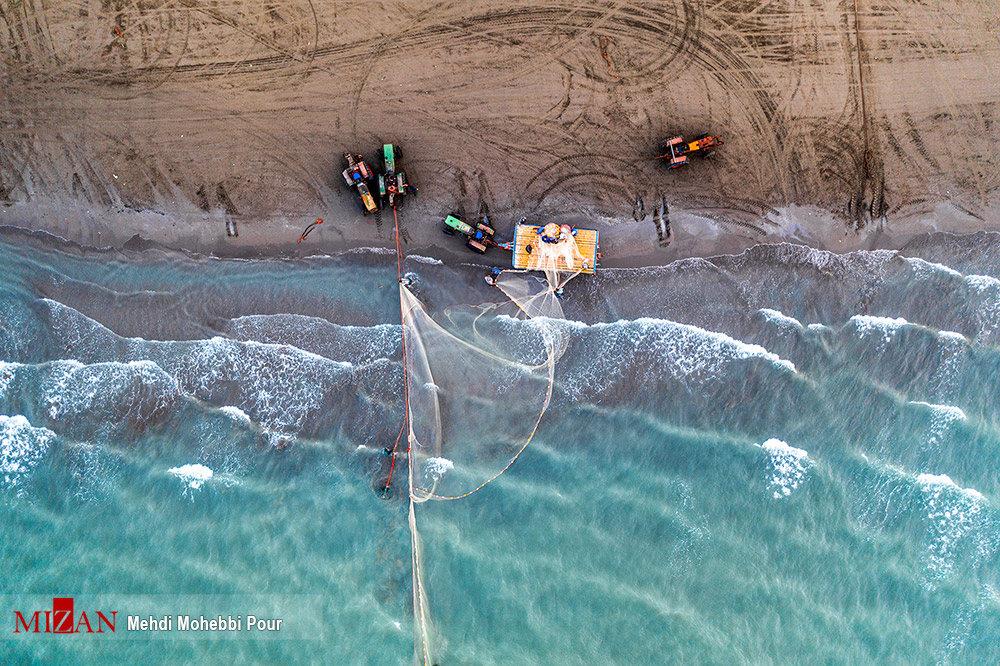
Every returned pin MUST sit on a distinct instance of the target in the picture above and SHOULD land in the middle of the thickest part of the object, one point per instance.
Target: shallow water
(786, 456)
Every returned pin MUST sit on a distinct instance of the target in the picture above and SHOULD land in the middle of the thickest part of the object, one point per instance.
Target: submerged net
(478, 383)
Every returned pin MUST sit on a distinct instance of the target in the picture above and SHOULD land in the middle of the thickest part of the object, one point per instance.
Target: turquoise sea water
(785, 457)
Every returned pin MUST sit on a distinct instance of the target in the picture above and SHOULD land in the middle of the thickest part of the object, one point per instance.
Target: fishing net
(551, 265)
(478, 383)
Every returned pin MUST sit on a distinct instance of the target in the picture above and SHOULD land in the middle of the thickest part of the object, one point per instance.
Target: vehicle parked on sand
(678, 150)
(392, 185)
(479, 238)
(356, 176)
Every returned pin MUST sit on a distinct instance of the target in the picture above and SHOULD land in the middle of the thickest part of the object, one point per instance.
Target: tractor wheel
(486, 229)
(448, 230)
(476, 247)
(700, 137)
(709, 154)
(396, 152)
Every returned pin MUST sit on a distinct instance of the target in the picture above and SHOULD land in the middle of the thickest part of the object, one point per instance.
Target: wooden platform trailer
(526, 235)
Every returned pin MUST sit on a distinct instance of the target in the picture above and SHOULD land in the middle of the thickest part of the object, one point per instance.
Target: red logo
(62, 620)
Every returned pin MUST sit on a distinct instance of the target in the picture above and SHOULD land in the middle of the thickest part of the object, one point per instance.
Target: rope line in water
(406, 375)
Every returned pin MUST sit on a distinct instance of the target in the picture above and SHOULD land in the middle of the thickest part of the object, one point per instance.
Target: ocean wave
(194, 475)
(780, 318)
(370, 250)
(861, 261)
(236, 414)
(883, 327)
(22, 446)
(419, 258)
(117, 393)
(947, 413)
(988, 310)
(958, 523)
(280, 386)
(982, 282)
(942, 418)
(348, 344)
(924, 270)
(610, 353)
(788, 466)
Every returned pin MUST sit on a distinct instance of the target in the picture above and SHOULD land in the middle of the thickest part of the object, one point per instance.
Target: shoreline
(957, 225)
(623, 244)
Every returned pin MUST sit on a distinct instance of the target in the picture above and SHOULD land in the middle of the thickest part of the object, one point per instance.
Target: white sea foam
(982, 282)
(788, 466)
(134, 390)
(883, 327)
(436, 468)
(958, 522)
(278, 385)
(235, 413)
(193, 475)
(780, 318)
(370, 250)
(355, 344)
(681, 350)
(927, 269)
(21, 448)
(952, 336)
(948, 413)
(425, 260)
(944, 481)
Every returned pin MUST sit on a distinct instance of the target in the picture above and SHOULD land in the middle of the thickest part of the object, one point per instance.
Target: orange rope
(406, 377)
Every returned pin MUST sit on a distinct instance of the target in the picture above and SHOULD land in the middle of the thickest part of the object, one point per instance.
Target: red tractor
(679, 150)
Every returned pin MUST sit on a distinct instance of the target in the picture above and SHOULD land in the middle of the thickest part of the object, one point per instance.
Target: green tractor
(477, 238)
(392, 185)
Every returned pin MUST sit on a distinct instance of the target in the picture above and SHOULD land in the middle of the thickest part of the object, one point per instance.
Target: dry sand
(166, 117)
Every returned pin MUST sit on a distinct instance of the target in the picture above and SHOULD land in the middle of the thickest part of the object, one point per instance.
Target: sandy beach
(846, 126)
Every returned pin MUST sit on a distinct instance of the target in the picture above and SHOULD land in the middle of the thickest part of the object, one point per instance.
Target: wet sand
(167, 120)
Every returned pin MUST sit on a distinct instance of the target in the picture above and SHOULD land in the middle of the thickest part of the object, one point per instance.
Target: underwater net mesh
(478, 383)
